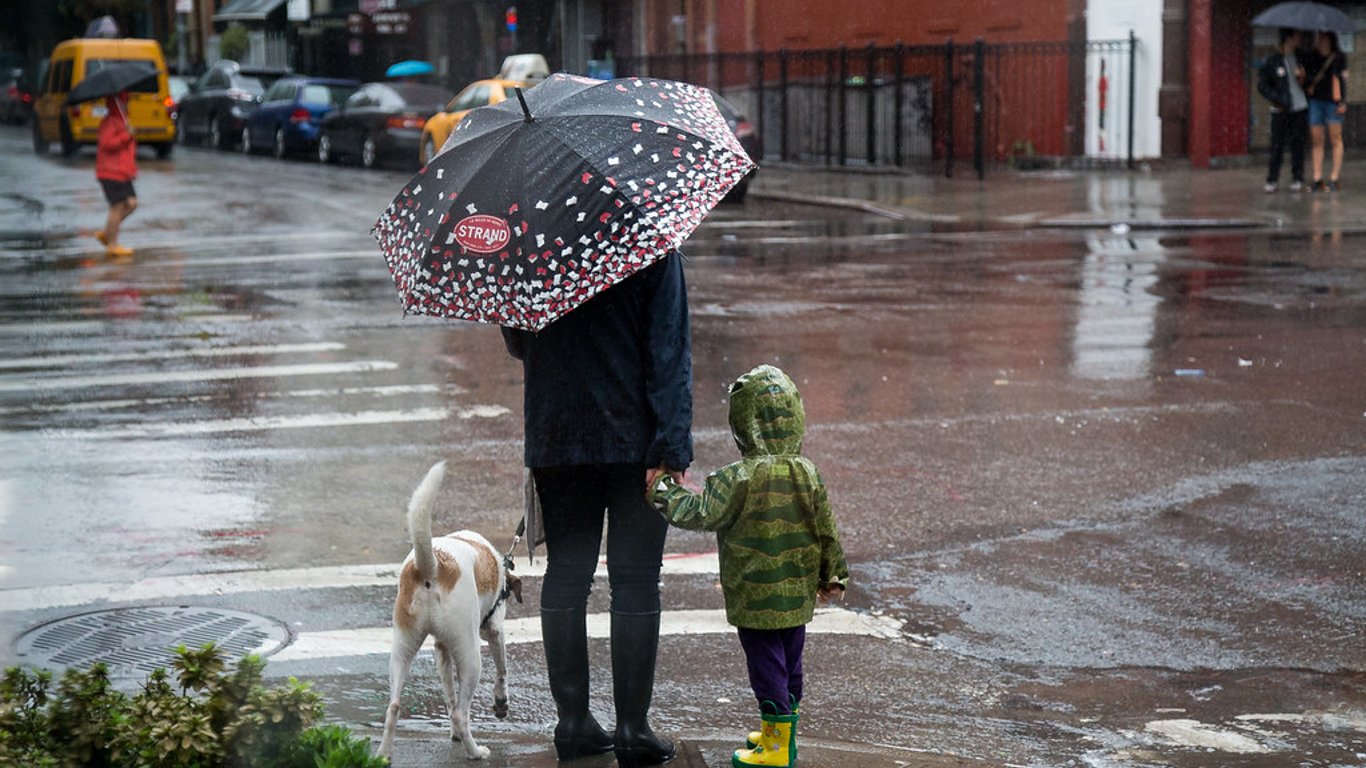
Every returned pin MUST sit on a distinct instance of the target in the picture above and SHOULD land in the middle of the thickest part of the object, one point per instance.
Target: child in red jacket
(116, 166)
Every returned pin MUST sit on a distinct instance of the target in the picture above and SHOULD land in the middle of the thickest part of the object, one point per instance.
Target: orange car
(477, 94)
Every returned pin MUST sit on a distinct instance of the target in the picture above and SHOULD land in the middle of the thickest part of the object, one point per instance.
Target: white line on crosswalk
(198, 374)
(159, 588)
(263, 423)
(365, 641)
(57, 361)
(145, 402)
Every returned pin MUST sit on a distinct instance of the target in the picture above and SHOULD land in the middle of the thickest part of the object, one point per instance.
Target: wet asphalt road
(1108, 491)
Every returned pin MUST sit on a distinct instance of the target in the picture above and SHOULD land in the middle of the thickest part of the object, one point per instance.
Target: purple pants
(774, 658)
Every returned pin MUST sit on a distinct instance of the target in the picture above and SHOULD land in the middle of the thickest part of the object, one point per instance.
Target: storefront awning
(247, 10)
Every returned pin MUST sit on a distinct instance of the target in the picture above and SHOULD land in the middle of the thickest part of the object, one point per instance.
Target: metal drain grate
(135, 641)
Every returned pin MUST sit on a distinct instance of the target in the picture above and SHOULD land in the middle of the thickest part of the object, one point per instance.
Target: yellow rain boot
(776, 745)
(752, 738)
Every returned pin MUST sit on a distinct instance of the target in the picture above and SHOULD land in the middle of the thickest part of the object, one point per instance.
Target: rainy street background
(1102, 491)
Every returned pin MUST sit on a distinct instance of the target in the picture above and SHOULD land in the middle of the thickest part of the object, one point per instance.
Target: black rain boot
(565, 636)
(635, 642)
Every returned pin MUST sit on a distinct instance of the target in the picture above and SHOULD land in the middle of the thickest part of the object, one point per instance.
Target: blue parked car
(290, 112)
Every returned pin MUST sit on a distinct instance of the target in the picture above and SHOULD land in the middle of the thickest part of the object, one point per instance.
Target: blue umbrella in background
(409, 68)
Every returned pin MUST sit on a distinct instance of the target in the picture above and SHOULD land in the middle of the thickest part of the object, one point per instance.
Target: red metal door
(1230, 36)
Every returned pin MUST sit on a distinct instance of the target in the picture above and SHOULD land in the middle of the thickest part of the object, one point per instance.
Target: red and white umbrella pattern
(529, 212)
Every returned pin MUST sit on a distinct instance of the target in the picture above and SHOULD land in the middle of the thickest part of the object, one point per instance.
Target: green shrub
(200, 715)
(234, 43)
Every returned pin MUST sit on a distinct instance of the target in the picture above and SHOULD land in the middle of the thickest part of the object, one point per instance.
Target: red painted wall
(744, 25)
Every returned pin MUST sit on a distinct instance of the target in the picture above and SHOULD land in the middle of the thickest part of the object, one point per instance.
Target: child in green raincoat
(779, 550)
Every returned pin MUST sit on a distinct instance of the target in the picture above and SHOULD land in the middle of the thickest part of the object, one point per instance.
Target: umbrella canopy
(539, 203)
(409, 68)
(111, 79)
(1305, 15)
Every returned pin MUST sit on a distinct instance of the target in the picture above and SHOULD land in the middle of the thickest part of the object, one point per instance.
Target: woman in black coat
(608, 406)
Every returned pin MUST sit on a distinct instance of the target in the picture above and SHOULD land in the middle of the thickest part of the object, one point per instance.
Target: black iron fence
(927, 106)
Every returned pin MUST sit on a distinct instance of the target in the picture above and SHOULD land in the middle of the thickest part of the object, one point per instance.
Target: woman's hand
(652, 477)
(829, 592)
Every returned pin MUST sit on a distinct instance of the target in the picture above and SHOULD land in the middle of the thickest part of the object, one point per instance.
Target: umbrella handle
(525, 110)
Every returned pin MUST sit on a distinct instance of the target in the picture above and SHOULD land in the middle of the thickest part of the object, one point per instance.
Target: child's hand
(828, 592)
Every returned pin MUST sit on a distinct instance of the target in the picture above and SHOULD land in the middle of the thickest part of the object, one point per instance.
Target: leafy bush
(234, 43)
(200, 715)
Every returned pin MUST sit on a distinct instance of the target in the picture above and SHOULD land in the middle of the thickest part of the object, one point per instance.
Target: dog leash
(510, 566)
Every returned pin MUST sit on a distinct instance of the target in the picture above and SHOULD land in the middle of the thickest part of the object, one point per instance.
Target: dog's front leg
(493, 634)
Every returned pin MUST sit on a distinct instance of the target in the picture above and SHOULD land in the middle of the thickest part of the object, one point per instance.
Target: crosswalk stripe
(172, 377)
(344, 643)
(147, 402)
(265, 423)
(157, 588)
(57, 361)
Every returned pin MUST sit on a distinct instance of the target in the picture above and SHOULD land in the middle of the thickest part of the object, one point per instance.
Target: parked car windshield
(95, 65)
(251, 84)
(179, 86)
(419, 94)
(325, 95)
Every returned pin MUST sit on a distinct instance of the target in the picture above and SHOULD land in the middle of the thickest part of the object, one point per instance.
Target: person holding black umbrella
(115, 167)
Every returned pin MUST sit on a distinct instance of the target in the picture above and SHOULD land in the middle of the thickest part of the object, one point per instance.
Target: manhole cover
(135, 641)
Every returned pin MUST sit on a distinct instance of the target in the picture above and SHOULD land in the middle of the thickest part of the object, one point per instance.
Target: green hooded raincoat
(770, 511)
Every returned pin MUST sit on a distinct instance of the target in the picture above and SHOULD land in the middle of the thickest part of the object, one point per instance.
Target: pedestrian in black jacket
(1281, 82)
(608, 406)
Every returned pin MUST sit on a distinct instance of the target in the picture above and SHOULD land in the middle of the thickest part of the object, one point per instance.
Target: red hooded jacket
(116, 152)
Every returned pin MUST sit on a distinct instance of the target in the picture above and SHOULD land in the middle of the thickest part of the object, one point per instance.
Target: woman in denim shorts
(1326, 68)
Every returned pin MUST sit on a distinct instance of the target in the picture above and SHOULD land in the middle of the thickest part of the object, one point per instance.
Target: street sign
(184, 6)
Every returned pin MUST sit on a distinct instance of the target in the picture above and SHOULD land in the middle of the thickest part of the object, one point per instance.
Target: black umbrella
(1305, 15)
(539, 203)
(112, 78)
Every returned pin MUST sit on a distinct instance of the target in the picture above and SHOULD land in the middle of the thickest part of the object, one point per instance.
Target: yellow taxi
(480, 93)
(521, 70)
(149, 107)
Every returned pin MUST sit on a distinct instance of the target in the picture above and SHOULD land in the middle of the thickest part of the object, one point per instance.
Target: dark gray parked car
(219, 102)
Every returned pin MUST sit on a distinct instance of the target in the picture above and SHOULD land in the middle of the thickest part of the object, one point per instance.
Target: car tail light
(169, 102)
(411, 122)
(75, 113)
(14, 91)
(300, 115)
(27, 98)
(744, 128)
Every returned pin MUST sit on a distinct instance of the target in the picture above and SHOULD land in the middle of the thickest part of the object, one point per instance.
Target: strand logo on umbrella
(538, 204)
(482, 233)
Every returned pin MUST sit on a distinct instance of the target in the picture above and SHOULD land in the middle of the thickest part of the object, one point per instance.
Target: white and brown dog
(455, 589)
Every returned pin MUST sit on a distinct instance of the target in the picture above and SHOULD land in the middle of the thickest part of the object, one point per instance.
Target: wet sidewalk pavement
(529, 751)
(1169, 198)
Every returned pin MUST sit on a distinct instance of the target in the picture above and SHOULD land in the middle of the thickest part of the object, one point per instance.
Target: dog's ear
(515, 586)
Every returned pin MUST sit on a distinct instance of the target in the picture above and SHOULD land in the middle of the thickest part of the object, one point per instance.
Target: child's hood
(766, 413)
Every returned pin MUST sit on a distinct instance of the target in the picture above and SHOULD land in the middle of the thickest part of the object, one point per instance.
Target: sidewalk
(694, 751)
(1228, 198)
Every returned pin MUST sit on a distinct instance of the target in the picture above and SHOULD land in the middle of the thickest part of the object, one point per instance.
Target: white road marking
(271, 258)
(160, 588)
(113, 405)
(263, 423)
(57, 361)
(1193, 733)
(175, 377)
(376, 640)
(100, 327)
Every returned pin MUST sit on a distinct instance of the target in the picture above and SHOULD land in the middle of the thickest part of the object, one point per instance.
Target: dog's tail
(420, 520)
